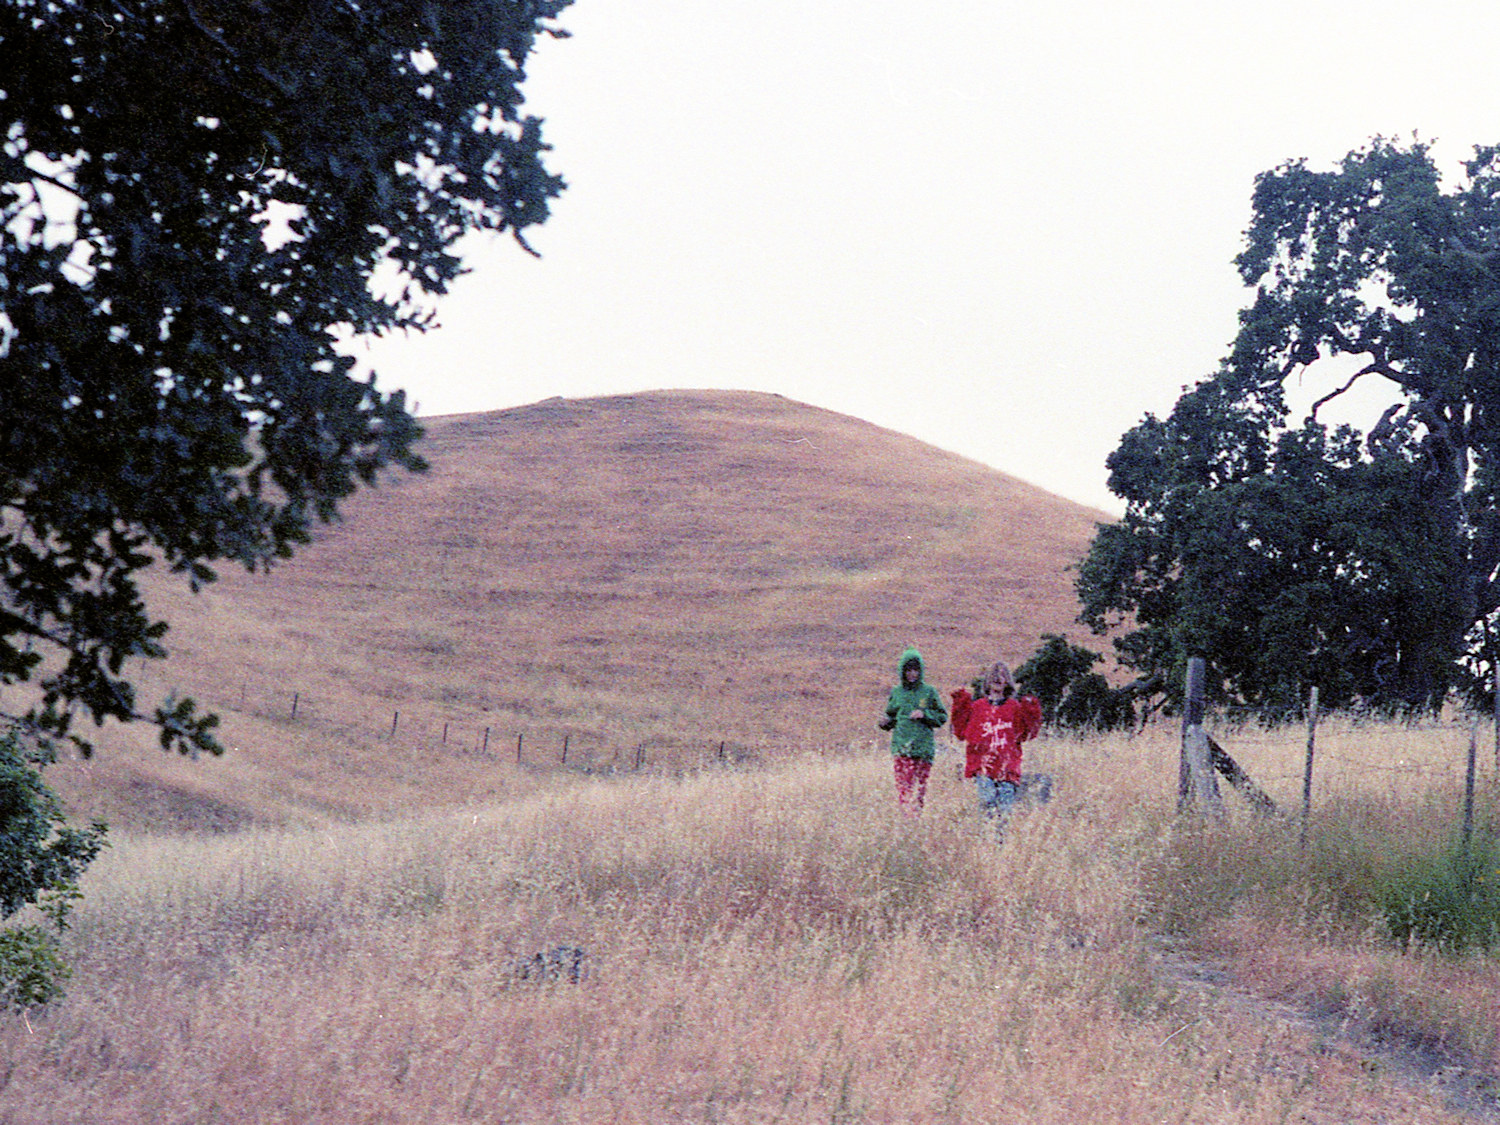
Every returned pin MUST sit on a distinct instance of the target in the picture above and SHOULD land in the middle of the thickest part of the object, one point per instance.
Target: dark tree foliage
(41, 860)
(196, 198)
(38, 852)
(1072, 694)
(1291, 556)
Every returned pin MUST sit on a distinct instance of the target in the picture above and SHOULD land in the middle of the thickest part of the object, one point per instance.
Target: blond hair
(997, 673)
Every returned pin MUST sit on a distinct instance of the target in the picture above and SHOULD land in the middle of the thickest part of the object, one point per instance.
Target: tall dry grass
(776, 945)
(1378, 912)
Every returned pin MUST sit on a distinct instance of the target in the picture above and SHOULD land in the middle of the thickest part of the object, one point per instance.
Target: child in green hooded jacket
(913, 710)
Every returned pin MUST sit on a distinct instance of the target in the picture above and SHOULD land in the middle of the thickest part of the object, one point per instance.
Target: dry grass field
(701, 596)
(758, 944)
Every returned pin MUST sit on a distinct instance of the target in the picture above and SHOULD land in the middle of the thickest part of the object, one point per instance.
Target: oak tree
(198, 200)
(1290, 553)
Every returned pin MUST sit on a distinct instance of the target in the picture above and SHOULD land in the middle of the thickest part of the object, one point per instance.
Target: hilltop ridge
(651, 577)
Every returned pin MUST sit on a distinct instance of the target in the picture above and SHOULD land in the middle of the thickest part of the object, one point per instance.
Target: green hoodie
(912, 738)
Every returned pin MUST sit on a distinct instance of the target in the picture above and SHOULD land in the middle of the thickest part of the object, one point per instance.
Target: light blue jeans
(996, 797)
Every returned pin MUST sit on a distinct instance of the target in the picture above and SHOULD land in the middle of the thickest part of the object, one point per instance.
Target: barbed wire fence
(508, 736)
(501, 735)
(1203, 759)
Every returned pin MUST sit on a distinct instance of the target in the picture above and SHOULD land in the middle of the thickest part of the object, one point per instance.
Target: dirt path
(1409, 1061)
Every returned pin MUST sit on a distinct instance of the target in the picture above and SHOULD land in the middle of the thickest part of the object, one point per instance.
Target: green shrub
(41, 859)
(32, 970)
(1072, 694)
(1362, 862)
(1447, 899)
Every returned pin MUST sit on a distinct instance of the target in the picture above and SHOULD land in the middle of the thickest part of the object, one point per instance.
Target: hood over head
(911, 655)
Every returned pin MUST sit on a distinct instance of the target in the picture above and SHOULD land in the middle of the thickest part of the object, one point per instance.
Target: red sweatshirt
(993, 733)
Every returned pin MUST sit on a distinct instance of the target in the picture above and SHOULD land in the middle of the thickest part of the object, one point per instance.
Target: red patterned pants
(911, 782)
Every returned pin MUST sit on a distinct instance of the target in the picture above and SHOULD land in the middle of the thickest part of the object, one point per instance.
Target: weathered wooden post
(1196, 784)
(565, 750)
(1469, 789)
(396, 718)
(1307, 771)
(1184, 768)
(520, 736)
(296, 696)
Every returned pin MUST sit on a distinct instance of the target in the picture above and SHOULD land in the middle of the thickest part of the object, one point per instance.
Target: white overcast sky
(1006, 229)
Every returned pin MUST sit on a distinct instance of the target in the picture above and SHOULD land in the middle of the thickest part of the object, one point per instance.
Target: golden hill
(659, 579)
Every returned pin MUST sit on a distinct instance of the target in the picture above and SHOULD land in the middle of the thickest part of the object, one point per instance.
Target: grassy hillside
(660, 578)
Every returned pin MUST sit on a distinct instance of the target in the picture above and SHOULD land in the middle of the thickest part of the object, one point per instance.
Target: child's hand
(918, 714)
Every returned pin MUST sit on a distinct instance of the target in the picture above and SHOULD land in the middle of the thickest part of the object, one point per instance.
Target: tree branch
(218, 40)
(14, 166)
(1484, 261)
(1371, 369)
(1145, 685)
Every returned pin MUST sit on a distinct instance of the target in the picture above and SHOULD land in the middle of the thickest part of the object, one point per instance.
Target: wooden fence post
(565, 750)
(519, 737)
(1307, 771)
(396, 718)
(1196, 784)
(1184, 771)
(1469, 789)
(295, 698)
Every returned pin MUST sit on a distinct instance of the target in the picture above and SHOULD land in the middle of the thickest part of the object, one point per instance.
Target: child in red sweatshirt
(993, 728)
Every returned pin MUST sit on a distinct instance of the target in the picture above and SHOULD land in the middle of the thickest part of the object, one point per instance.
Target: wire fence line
(1202, 759)
(500, 736)
(1367, 767)
(1440, 742)
(504, 736)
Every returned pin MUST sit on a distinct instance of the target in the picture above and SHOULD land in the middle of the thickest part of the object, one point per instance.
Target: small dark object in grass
(560, 963)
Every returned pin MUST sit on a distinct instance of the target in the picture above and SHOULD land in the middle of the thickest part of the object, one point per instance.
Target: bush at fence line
(1072, 694)
(1448, 898)
(1408, 870)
